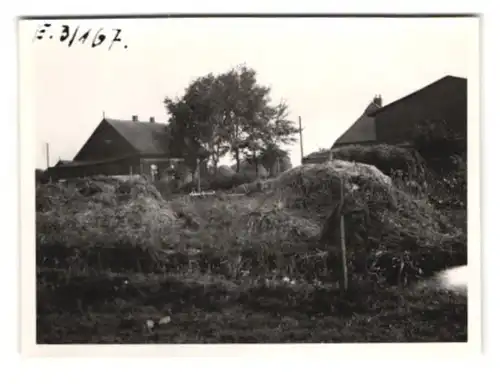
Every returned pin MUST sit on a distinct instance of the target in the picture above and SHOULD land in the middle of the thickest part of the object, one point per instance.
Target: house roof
(448, 79)
(71, 164)
(146, 137)
(363, 128)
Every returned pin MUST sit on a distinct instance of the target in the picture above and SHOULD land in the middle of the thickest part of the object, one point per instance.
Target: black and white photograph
(248, 179)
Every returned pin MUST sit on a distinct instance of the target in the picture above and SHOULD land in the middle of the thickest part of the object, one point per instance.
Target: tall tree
(230, 113)
(272, 155)
(245, 103)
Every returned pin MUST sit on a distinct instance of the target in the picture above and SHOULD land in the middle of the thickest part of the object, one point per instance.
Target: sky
(326, 69)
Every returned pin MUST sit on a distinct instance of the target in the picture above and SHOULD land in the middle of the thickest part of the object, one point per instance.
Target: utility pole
(301, 144)
(47, 154)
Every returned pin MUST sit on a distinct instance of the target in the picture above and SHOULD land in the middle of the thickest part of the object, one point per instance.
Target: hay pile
(102, 212)
(385, 227)
(316, 187)
(274, 229)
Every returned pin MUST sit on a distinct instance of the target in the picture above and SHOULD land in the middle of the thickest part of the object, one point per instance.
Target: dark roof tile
(362, 130)
(145, 137)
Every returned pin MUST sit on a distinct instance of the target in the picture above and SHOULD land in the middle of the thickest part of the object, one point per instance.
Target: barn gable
(117, 138)
(363, 129)
(104, 143)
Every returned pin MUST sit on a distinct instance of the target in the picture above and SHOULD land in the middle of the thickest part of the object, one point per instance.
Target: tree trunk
(216, 165)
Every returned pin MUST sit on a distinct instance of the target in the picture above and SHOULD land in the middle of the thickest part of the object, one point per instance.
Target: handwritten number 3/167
(98, 39)
(67, 35)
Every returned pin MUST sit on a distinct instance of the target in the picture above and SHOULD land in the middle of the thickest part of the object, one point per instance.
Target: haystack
(316, 187)
(104, 212)
(384, 226)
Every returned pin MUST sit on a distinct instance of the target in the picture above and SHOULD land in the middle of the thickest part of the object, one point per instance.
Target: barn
(443, 101)
(122, 147)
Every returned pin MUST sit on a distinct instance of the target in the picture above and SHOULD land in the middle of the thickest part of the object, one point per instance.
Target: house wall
(443, 101)
(104, 143)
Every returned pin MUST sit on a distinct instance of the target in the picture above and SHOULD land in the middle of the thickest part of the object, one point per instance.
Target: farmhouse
(444, 100)
(123, 147)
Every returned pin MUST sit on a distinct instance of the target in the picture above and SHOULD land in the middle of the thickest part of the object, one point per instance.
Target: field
(116, 257)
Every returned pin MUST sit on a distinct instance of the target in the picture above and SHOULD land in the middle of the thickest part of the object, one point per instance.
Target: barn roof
(363, 129)
(446, 79)
(146, 137)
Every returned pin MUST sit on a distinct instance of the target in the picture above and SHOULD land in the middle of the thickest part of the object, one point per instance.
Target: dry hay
(384, 226)
(272, 237)
(103, 212)
(280, 226)
(316, 187)
(103, 189)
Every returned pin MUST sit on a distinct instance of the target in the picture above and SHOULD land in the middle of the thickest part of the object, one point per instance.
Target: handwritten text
(77, 35)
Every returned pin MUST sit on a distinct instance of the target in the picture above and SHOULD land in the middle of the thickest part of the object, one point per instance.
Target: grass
(114, 308)
(112, 255)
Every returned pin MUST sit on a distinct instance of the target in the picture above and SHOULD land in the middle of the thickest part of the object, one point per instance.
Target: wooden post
(47, 154)
(342, 236)
(301, 144)
(198, 165)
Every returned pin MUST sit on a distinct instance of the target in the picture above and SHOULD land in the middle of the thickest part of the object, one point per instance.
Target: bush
(227, 183)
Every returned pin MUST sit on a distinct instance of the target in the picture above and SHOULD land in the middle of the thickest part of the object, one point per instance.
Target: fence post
(198, 165)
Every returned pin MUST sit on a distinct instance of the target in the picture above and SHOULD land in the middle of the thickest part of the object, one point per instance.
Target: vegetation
(132, 262)
(229, 113)
(112, 255)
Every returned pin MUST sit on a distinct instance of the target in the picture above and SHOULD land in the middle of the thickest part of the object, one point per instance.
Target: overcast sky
(327, 70)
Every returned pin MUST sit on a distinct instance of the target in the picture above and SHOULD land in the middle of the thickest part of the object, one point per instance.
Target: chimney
(151, 119)
(135, 118)
(378, 100)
